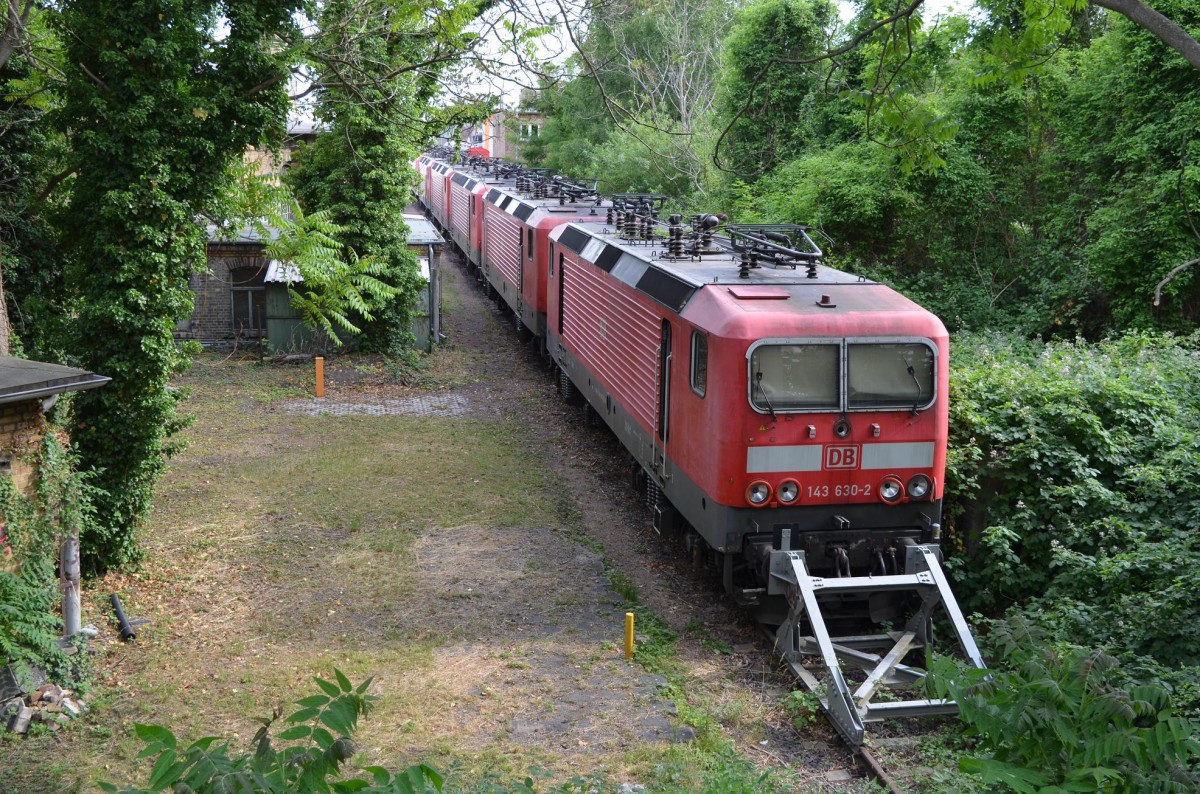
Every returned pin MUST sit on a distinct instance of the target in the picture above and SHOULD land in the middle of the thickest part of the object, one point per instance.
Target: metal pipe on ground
(127, 632)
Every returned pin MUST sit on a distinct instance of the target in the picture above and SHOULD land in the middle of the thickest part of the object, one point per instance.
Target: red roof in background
(478, 151)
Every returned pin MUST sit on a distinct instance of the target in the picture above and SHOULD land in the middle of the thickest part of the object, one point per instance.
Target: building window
(249, 300)
(530, 130)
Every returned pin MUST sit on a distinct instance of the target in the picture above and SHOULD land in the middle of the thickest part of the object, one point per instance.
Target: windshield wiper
(920, 389)
(763, 391)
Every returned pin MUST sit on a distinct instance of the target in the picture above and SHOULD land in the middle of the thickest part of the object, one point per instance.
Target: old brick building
(230, 299)
(27, 390)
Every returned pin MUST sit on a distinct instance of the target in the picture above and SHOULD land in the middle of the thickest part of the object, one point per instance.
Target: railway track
(868, 760)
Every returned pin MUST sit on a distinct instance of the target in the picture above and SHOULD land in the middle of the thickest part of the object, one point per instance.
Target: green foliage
(34, 526)
(802, 707)
(311, 748)
(334, 287)
(1133, 169)
(374, 83)
(1065, 449)
(30, 154)
(1058, 718)
(158, 100)
(763, 92)
(1033, 169)
(1072, 493)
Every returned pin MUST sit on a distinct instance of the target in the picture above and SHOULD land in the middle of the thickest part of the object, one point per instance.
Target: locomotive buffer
(848, 709)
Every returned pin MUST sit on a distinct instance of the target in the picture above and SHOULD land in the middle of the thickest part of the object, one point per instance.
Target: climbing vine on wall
(159, 100)
(33, 527)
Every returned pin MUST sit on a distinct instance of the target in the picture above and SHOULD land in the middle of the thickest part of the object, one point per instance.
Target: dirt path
(728, 666)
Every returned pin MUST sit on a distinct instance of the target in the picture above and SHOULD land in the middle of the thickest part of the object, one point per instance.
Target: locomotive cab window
(793, 377)
(529, 243)
(858, 375)
(889, 375)
(699, 363)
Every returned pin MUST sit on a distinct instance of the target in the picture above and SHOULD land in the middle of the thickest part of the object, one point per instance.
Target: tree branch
(1160, 26)
(1170, 276)
(16, 19)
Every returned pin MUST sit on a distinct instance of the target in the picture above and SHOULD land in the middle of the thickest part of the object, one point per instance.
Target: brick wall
(22, 425)
(212, 316)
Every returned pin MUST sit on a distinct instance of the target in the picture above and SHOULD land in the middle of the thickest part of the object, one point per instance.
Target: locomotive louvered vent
(666, 288)
(608, 258)
(774, 245)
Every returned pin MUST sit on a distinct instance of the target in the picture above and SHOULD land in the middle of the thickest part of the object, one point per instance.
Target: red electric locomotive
(790, 416)
(771, 401)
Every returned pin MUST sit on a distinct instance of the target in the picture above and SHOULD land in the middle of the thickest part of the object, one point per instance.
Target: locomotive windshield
(823, 376)
(795, 377)
(889, 375)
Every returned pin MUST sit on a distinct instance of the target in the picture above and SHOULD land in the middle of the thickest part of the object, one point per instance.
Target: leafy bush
(1073, 490)
(322, 727)
(1075, 459)
(1063, 718)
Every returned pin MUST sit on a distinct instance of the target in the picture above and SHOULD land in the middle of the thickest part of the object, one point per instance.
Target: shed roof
(21, 379)
(421, 231)
(281, 273)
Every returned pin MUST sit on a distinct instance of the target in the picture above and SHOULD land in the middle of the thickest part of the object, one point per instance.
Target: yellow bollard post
(320, 376)
(628, 635)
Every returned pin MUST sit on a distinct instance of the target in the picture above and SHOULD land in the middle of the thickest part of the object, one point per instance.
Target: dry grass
(283, 546)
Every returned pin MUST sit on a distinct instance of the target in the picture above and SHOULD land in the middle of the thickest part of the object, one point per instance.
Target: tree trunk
(4, 327)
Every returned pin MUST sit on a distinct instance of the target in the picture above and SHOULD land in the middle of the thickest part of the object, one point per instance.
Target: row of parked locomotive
(768, 402)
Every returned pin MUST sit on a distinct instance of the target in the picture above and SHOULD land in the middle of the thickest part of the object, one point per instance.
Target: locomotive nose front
(844, 450)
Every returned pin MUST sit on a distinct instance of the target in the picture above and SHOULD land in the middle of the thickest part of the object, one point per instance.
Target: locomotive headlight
(919, 487)
(891, 489)
(758, 493)
(788, 492)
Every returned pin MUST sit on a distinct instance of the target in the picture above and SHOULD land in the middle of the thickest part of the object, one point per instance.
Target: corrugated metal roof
(279, 273)
(421, 231)
(21, 379)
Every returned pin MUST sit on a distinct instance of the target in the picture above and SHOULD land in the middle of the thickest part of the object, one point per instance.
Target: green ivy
(34, 525)
(159, 97)
(376, 123)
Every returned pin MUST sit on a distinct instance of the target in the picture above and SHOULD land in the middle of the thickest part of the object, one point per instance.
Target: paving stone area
(446, 405)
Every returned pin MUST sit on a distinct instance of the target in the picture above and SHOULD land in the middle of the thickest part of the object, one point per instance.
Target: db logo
(841, 457)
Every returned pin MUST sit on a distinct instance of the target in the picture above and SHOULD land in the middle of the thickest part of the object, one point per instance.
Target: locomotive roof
(646, 266)
(506, 186)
